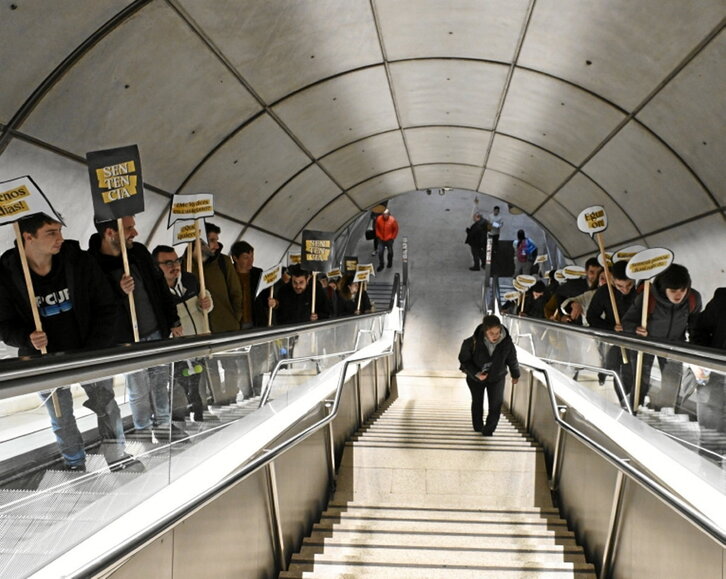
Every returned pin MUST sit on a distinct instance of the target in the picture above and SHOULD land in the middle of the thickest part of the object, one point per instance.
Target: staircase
(420, 494)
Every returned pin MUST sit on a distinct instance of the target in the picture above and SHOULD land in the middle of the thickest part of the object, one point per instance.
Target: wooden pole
(33, 303)
(127, 271)
(611, 292)
(315, 283)
(639, 362)
(200, 268)
(189, 256)
(360, 294)
(521, 303)
(269, 309)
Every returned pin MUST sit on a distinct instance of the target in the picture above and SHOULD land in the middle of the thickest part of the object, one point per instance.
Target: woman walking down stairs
(420, 494)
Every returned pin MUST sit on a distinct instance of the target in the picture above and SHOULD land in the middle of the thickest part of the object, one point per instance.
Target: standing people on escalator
(77, 310)
(710, 331)
(484, 358)
(525, 252)
(476, 239)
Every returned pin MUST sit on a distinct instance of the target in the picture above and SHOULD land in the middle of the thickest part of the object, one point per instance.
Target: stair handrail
(692, 515)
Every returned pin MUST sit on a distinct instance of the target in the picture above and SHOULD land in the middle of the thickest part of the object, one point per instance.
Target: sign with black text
(116, 183)
(190, 207)
(317, 250)
(186, 232)
(350, 264)
(21, 198)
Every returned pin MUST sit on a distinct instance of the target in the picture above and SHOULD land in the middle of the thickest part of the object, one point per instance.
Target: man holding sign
(157, 317)
(295, 300)
(77, 308)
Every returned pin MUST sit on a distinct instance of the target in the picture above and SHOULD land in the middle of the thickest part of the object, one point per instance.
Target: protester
(77, 311)
(294, 300)
(476, 239)
(573, 287)
(243, 255)
(573, 310)
(185, 290)
(156, 316)
(386, 232)
(534, 302)
(710, 331)
(348, 298)
(484, 359)
(672, 308)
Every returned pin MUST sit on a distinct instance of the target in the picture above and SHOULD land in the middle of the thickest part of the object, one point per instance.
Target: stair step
(325, 568)
(436, 514)
(443, 540)
(451, 526)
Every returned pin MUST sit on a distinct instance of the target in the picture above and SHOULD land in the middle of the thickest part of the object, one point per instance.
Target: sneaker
(474, 269)
(127, 463)
(379, 268)
(170, 432)
(74, 467)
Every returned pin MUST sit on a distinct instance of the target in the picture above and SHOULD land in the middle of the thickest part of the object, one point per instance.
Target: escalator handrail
(691, 514)
(20, 376)
(119, 552)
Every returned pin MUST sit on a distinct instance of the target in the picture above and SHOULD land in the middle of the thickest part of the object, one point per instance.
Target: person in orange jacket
(386, 232)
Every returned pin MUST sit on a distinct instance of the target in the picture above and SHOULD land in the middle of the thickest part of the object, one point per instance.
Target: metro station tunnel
(165, 414)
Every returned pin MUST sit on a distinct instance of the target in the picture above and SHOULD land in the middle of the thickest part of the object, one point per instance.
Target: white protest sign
(269, 278)
(592, 220)
(608, 258)
(362, 275)
(190, 207)
(573, 271)
(511, 296)
(526, 281)
(366, 267)
(560, 276)
(185, 232)
(294, 258)
(649, 263)
(626, 253)
(541, 258)
(334, 274)
(20, 198)
(518, 286)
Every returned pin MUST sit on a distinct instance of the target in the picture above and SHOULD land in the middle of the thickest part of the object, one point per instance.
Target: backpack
(522, 251)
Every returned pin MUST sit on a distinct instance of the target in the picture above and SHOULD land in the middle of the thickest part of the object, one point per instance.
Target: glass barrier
(74, 458)
(682, 395)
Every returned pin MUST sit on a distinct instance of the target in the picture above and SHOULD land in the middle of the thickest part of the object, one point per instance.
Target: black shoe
(170, 432)
(486, 432)
(601, 378)
(74, 467)
(390, 265)
(478, 429)
(474, 269)
(127, 463)
(379, 268)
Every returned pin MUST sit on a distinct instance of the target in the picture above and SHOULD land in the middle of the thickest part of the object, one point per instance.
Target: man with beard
(294, 301)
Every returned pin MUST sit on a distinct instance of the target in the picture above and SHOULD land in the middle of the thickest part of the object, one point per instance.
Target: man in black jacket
(294, 301)
(156, 315)
(76, 308)
(476, 239)
(484, 359)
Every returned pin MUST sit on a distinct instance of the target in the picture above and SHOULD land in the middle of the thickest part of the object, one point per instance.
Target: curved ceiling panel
(512, 190)
(447, 144)
(331, 114)
(425, 28)
(289, 210)
(690, 115)
(379, 188)
(618, 49)
(424, 88)
(552, 216)
(20, 76)
(280, 46)
(245, 171)
(366, 158)
(528, 163)
(176, 106)
(648, 182)
(335, 214)
(447, 175)
(556, 116)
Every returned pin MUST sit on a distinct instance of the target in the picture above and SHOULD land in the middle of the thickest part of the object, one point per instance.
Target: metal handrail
(688, 512)
(267, 456)
(30, 375)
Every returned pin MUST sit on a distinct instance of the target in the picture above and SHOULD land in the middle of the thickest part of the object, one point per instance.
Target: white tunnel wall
(304, 114)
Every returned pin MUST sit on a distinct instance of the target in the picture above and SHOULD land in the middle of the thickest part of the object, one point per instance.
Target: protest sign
(627, 253)
(186, 232)
(511, 296)
(541, 258)
(560, 276)
(592, 220)
(294, 258)
(573, 271)
(350, 263)
(190, 207)
(366, 266)
(268, 279)
(116, 183)
(334, 274)
(317, 250)
(21, 198)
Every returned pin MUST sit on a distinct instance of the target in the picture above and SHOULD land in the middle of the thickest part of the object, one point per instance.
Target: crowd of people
(84, 303)
(674, 313)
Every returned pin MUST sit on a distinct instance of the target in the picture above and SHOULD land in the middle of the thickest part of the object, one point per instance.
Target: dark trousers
(478, 254)
(385, 246)
(495, 396)
(670, 383)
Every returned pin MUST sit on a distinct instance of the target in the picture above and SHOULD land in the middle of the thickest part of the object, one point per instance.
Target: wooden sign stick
(611, 292)
(189, 256)
(639, 362)
(360, 294)
(200, 268)
(127, 271)
(33, 303)
(521, 305)
(269, 309)
(315, 283)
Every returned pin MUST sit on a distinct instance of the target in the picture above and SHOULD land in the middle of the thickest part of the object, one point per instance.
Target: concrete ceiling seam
(631, 115)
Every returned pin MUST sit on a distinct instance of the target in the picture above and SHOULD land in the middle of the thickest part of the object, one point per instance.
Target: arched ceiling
(303, 113)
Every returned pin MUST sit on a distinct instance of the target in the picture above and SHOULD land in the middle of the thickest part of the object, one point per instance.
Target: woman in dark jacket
(348, 298)
(484, 359)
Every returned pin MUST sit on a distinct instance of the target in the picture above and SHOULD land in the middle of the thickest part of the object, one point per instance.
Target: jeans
(382, 246)
(495, 396)
(110, 427)
(149, 394)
